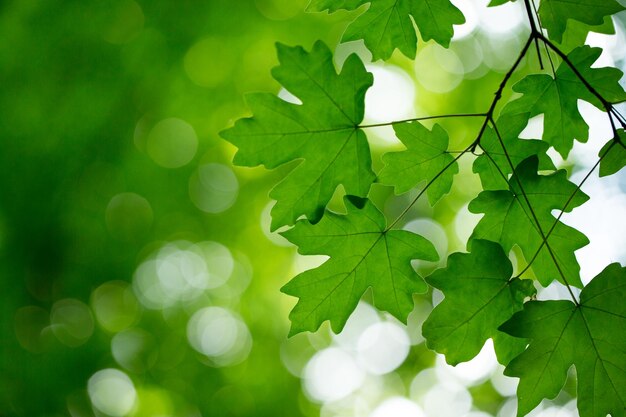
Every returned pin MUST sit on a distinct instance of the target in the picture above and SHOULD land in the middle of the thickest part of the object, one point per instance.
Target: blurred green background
(137, 273)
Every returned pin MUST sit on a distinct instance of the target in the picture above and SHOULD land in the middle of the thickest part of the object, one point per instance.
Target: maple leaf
(613, 155)
(555, 13)
(362, 254)
(591, 336)
(510, 221)
(480, 295)
(557, 97)
(387, 25)
(493, 166)
(426, 159)
(322, 132)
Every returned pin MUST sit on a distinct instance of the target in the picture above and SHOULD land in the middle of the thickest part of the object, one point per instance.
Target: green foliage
(322, 131)
(522, 215)
(522, 198)
(493, 165)
(591, 335)
(459, 326)
(363, 253)
(555, 14)
(613, 155)
(426, 159)
(557, 97)
(388, 24)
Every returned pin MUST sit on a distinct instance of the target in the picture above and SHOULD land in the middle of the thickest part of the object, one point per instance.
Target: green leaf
(510, 221)
(554, 14)
(362, 254)
(479, 296)
(322, 132)
(333, 5)
(576, 33)
(591, 336)
(498, 2)
(387, 25)
(613, 155)
(424, 160)
(557, 97)
(493, 165)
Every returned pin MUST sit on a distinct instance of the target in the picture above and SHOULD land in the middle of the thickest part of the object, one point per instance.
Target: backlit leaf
(425, 159)
(480, 295)
(493, 166)
(613, 155)
(322, 132)
(362, 254)
(557, 97)
(388, 24)
(510, 221)
(591, 336)
(554, 14)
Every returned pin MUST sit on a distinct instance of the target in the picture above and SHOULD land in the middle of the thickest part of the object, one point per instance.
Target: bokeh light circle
(128, 216)
(134, 349)
(182, 271)
(71, 321)
(437, 69)
(220, 335)
(115, 306)
(209, 62)
(392, 97)
(213, 188)
(332, 374)
(382, 347)
(397, 407)
(172, 143)
(112, 392)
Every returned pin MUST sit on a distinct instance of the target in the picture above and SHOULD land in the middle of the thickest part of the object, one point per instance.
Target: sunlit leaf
(555, 13)
(480, 295)
(388, 24)
(510, 221)
(425, 159)
(493, 165)
(557, 97)
(362, 254)
(613, 155)
(591, 336)
(322, 132)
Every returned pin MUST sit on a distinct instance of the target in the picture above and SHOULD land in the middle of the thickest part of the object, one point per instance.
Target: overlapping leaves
(522, 215)
(556, 14)
(519, 205)
(388, 24)
(480, 295)
(557, 98)
(591, 336)
(500, 144)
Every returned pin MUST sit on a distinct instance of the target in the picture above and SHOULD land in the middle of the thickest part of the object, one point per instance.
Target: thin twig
(417, 119)
(534, 215)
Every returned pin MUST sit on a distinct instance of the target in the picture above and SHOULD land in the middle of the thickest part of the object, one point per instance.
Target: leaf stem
(498, 93)
(406, 210)
(575, 70)
(417, 119)
(534, 215)
(534, 30)
(569, 200)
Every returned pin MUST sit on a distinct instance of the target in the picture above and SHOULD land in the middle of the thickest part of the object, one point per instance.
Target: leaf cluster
(523, 198)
